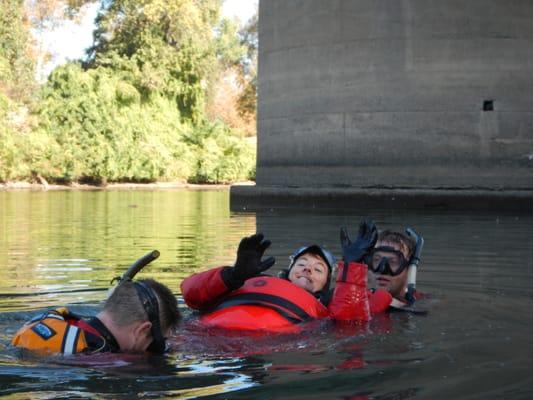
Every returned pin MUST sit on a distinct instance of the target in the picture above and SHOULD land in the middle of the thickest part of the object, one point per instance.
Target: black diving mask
(386, 260)
(151, 307)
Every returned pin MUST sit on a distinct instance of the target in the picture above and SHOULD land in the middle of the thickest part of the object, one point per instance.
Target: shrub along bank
(134, 110)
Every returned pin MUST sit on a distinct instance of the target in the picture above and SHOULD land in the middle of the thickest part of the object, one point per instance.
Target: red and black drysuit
(266, 303)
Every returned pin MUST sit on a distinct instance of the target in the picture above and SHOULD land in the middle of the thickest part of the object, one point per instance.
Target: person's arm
(350, 296)
(350, 299)
(202, 291)
(379, 300)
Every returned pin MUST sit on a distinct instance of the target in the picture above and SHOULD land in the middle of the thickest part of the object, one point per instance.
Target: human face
(310, 272)
(397, 284)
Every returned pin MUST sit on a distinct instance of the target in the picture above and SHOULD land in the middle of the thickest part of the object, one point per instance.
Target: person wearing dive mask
(135, 319)
(389, 261)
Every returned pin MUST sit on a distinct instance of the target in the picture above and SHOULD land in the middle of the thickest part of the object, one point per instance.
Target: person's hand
(249, 254)
(365, 241)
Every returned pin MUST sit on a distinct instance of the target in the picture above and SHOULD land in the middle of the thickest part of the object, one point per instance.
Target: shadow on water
(474, 342)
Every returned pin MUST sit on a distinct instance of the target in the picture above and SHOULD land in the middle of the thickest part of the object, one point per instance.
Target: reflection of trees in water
(59, 241)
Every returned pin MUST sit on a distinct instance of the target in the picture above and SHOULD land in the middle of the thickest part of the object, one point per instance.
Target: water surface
(64, 247)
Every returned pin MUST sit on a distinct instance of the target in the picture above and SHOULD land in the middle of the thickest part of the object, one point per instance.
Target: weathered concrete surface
(390, 94)
(478, 200)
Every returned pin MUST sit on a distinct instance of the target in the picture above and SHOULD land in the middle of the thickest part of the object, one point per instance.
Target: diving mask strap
(151, 306)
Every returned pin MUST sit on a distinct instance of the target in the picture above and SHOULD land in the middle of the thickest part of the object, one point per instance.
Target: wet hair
(399, 238)
(126, 308)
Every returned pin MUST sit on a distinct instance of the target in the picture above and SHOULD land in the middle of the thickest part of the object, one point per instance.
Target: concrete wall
(390, 93)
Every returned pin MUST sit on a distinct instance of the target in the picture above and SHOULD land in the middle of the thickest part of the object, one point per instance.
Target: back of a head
(399, 238)
(169, 314)
(125, 307)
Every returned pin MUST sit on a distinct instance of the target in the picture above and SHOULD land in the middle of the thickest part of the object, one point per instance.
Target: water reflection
(61, 248)
(68, 239)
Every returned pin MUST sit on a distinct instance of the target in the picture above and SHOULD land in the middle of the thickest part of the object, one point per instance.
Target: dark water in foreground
(475, 343)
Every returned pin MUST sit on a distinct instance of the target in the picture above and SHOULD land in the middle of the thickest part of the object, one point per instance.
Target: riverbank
(115, 186)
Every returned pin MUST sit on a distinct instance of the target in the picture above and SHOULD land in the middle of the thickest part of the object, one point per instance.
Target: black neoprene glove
(248, 263)
(365, 241)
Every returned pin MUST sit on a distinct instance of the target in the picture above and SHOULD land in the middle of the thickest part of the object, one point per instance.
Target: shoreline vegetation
(44, 186)
(166, 93)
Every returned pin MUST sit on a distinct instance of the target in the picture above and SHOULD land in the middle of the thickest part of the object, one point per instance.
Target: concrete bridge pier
(395, 97)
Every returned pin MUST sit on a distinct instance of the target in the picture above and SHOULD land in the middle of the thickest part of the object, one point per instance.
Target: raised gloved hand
(365, 241)
(248, 263)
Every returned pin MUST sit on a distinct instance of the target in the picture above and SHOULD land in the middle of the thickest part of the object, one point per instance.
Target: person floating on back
(243, 298)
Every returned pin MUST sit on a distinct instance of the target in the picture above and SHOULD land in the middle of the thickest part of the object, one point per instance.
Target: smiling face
(310, 272)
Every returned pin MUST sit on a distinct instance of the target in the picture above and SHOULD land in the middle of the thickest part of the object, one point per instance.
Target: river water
(64, 247)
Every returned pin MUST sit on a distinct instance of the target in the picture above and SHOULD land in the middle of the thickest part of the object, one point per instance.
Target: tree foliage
(16, 63)
(16, 85)
(135, 109)
(166, 47)
(107, 132)
(248, 97)
(232, 97)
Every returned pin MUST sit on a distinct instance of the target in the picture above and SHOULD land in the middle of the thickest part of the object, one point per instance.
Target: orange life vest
(54, 331)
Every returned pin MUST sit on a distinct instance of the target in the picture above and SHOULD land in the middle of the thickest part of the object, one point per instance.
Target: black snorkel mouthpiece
(413, 265)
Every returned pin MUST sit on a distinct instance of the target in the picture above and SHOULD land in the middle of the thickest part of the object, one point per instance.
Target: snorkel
(413, 265)
(148, 300)
(136, 267)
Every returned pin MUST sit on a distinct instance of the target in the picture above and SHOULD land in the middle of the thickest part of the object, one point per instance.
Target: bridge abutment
(410, 94)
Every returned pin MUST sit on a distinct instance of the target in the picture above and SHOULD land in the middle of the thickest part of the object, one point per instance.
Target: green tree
(16, 86)
(247, 103)
(162, 47)
(106, 132)
(134, 111)
(16, 62)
